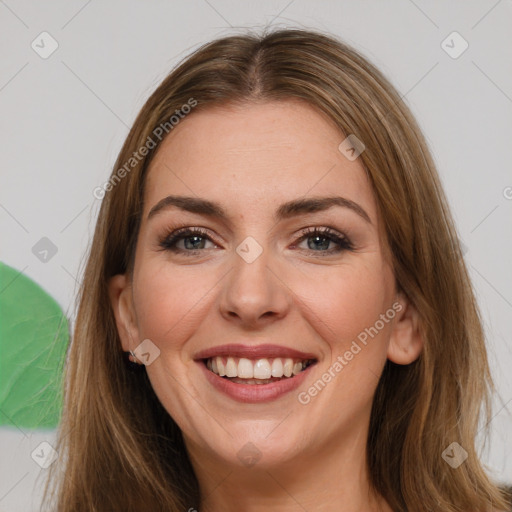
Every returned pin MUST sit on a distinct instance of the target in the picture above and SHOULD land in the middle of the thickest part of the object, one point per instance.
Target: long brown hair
(119, 448)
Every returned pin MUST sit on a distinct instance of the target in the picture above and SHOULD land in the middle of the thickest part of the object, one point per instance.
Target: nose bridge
(252, 290)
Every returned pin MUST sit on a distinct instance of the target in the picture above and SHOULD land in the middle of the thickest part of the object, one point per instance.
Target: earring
(132, 362)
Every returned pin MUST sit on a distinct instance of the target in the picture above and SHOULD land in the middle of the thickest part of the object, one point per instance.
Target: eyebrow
(285, 211)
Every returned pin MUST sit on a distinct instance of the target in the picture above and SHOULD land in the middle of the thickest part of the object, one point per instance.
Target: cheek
(342, 302)
(170, 301)
(344, 307)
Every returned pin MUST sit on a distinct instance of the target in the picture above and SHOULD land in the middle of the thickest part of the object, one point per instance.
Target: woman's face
(287, 274)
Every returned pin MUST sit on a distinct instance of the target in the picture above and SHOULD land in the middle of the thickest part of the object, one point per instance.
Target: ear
(121, 298)
(406, 341)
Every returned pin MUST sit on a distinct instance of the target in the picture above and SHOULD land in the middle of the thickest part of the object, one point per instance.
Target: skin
(251, 159)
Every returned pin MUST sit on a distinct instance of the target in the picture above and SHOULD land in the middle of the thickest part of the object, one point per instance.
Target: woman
(275, 258)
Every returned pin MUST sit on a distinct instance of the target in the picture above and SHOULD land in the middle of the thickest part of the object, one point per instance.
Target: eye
(321, 238)
(194, 239)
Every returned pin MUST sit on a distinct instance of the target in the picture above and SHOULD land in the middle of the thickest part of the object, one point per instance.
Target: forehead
(257, 155)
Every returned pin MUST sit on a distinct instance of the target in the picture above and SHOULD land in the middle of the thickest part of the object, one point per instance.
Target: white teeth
(277, 367)
(231, 368)
(220, 367)
(251, 370)
(262, 369)
(245, 369)
(288, 367)
(297, 368)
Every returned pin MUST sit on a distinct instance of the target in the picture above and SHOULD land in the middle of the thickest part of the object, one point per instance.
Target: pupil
(196, 238)
(324, 245)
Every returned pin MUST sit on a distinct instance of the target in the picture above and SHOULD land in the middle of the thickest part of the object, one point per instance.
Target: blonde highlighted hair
(119, 448)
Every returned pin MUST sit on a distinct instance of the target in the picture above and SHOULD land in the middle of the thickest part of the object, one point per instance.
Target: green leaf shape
(34, 335)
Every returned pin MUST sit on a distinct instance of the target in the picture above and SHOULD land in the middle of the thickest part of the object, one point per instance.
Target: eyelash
(168, 242)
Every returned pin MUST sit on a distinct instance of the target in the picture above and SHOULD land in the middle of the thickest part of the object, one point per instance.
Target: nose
(254, 293)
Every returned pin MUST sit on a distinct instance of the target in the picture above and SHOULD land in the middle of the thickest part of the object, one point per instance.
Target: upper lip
(265, 351)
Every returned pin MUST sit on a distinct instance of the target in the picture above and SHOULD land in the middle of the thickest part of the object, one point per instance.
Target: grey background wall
(75, 73)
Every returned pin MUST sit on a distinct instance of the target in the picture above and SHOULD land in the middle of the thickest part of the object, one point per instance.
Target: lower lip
(255, 393)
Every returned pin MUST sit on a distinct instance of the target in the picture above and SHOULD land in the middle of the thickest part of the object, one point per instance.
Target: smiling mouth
(241, 370)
